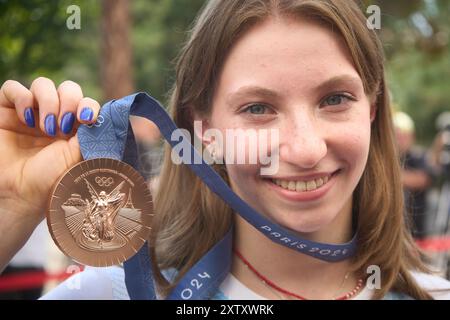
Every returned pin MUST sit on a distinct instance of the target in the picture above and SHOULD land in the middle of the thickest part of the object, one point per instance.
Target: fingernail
(67, 122)
(29, 117)
(86, 114)
(50, 124)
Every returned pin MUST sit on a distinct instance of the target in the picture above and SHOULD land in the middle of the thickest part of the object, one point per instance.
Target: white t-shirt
(109, 284)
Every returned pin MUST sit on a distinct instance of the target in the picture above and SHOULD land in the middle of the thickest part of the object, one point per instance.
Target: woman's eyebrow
(341, 80)
(251, 91)
(257, 91)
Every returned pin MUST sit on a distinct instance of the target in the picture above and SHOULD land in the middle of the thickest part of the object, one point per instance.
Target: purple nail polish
(50, 125)
(86, 114)
(67, 121)
(29, 117)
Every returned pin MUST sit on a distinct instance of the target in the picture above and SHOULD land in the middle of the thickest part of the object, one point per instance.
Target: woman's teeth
(300, 186)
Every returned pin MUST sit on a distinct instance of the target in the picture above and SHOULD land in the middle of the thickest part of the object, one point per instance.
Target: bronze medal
(100, 212)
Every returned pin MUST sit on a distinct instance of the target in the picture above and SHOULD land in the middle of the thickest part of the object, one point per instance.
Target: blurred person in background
(439, 160)
(416, 175)
(439, 156)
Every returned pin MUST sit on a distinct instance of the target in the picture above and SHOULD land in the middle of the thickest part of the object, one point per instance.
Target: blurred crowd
(426, 184)
(425, 176)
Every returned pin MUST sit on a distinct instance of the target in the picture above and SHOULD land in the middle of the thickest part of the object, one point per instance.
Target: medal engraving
(100, 212)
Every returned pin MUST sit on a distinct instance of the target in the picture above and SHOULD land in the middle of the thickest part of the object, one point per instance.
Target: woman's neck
(288, 269)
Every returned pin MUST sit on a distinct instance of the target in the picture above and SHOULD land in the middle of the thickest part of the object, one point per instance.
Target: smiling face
(297, 77)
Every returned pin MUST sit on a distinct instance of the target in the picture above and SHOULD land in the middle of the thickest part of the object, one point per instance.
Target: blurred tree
(35, 41)
(160, 30)
(116, 59)
(419, 61)
(31, 32)
(415, 35)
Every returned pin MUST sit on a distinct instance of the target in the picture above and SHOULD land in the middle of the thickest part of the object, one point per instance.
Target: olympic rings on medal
(104, 181)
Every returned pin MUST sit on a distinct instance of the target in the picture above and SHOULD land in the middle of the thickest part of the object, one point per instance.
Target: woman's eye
(337, 99)
(256, 109)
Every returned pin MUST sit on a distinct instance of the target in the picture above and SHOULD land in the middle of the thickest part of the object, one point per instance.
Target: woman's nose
(302, 142)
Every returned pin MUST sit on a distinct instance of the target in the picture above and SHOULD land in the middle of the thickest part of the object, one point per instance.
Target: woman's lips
(296, 190)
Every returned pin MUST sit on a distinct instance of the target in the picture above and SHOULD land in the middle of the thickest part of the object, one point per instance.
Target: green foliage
(418, 59)
(35, 41)
(26, 28)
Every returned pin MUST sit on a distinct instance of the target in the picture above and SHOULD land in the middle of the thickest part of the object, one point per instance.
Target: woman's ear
(211, 138)
(201, 125)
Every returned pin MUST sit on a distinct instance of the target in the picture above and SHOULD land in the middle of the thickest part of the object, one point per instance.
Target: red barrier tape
(437, 244)
(29, 280)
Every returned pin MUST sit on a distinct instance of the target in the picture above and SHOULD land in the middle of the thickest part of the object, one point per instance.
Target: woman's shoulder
(106, 283)
(436, 286)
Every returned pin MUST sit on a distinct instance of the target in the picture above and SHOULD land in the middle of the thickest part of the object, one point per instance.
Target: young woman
(311, 70)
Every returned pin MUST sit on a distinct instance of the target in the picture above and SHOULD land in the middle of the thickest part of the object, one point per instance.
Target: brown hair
(190, 219)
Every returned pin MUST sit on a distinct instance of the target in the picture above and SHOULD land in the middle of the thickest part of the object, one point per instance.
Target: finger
(15, 95)
(9, 121)
(45, 93)
(70, 94)
(88, 110)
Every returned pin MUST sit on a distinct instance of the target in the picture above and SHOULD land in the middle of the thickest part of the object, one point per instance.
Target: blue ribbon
(110, 137)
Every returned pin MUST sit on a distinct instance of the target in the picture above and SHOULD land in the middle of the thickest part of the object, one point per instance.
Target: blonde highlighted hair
(190, 219)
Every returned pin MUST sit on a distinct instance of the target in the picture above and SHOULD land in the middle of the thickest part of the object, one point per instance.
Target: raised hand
(38, 143)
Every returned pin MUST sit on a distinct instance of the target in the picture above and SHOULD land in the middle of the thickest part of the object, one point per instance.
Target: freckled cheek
(249, 146)
(243, 181)
(352, 144)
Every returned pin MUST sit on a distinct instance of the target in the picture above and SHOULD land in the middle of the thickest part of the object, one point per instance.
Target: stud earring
(213, 154)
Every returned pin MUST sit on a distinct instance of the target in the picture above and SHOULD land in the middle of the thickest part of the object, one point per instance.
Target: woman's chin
(306, 228)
